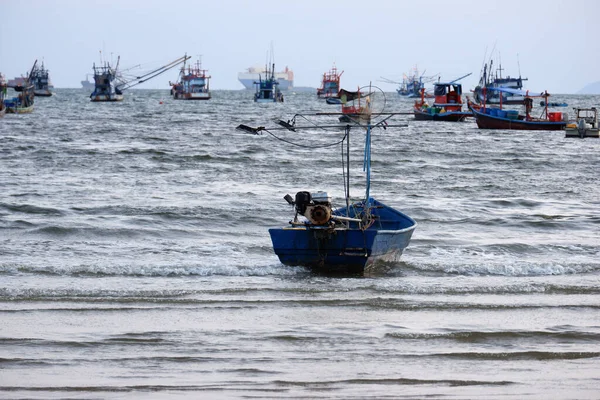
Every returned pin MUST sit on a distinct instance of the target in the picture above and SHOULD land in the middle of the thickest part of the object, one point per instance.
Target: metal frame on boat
(352, 237)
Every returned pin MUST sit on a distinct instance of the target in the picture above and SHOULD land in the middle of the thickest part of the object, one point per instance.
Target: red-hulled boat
(330, 86)
(497, 118)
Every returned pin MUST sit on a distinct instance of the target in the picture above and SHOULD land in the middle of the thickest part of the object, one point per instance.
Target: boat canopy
(352, 95)
(520, 92)
(440, 89)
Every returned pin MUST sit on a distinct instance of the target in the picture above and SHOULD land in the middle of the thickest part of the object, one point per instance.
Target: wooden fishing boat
(40, 79)
(585, 124)
(353, 105)
(330, 85)
(23, 103)
(193, 83)
(346, 239)
(497, 118)
(17, 105)
(491, 79)
(109, 85)
(411, 84)
(105, 85)
(267, 89)
(447, 105)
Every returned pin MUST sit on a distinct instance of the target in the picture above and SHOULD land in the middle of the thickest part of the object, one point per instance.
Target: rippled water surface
(135, 259)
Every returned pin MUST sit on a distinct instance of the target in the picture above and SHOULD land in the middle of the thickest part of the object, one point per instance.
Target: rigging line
(309, 121)
(344, 178)
(129, 85)
(156, 72)
(302, 145)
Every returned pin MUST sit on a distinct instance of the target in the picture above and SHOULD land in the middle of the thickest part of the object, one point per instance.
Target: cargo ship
(252, 74)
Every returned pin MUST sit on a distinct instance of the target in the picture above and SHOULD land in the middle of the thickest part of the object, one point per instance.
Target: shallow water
(135, 258)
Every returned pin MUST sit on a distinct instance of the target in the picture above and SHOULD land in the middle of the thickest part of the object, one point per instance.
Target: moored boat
(330, 84)
(491, 80)
(40, 79)
(412, 84)
(109, 85)
(267, 89)
(585, 124)
(23, 103)
(105, 83)
(351, 237)
(497, 118)
(353, 105)
(447, 105)
(193, 83)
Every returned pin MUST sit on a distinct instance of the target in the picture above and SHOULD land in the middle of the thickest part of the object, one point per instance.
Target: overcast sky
(555, 42)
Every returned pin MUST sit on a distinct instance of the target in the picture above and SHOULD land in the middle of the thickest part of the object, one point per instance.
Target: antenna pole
(348, 170)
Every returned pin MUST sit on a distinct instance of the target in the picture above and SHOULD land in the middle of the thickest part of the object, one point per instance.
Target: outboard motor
(315, 207)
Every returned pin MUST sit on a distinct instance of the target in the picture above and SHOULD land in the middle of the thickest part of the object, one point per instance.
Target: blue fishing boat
(23, 103)
(497, 118)
(490, 80)
(267, 89)
(348, 238)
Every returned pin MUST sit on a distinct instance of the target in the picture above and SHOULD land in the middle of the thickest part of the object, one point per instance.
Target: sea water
(135, 259)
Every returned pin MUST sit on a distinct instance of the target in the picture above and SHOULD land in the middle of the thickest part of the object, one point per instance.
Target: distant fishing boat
(193, 83)
(585, 125)
(109, 85)
(447, 105)
(267, 89)
(40, 78)
(497, 118)
(348, 239)
(105, 84)
(23, 103)
(411, 84)
(330, 84)
(490, 80)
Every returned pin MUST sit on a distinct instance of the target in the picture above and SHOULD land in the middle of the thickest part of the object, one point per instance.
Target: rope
(305, 146)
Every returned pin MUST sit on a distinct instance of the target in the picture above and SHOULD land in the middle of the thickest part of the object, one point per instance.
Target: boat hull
(106, 97)
(256, 100)
(485, 121)
(2, 111)
(19, 110)
(582, 133)
(452, 116)
(345, 249)
(42, 93)
(191, 96)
